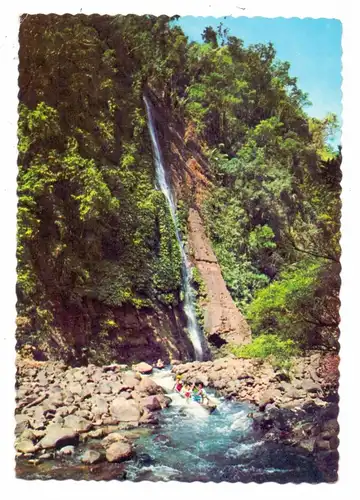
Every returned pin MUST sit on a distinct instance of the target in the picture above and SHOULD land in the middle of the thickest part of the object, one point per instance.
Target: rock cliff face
(223, 322)
(80, 336)
(191, 181)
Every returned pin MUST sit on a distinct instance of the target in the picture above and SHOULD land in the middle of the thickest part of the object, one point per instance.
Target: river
(187, 445)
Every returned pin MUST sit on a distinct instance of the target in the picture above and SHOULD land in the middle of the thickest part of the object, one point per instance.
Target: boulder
(129, 381)
(322, 445)
(97, 375)
(66, 450)
(28, 434)
(148, 386)
(143, 368)
(91, 457)
(331, 426)
(124, 410)
(116, 387)
(163, 400)
(119, 451)
(42, 378)
(99, 405)
(311, 386)
(151, 403)
(114, 437)
(75, 388)
(105, 387)
(21, 427)
(148, 418)
(308, 444)
(110, 420)
(266, 399)
(97, 433)
(57, 437)
(25, 446)
(79, 424)
(88, 390)
(84, 414)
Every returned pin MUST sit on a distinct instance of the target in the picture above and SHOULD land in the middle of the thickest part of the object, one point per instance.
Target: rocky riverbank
(96, 413)
(59, 407)
(299, 408)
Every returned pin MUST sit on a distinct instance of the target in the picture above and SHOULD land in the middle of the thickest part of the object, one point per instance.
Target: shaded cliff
(98, 334)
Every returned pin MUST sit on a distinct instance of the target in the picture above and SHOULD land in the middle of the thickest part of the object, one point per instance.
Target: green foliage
(271, 347)
(200, 293)
(298, 305)
(91, 225)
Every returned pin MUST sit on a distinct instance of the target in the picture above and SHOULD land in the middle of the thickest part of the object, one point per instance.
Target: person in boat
(202, 394)
(187, 390)
(178, 384)
(195, 396)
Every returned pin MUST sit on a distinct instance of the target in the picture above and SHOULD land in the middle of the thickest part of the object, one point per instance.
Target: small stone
(310, 386)
(97, 433)
(322, 445)
(143, 368)
(91, 457)
(308, 444)
(114, 437)
(331, 426)
(67, 450)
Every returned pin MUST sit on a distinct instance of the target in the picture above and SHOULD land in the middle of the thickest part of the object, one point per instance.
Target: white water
(192, 325)
(166, 380)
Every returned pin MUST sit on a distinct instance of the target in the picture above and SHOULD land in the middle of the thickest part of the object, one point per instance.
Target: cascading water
(193, 327)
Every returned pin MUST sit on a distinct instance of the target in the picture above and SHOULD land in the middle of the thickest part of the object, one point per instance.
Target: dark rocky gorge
(116, 422)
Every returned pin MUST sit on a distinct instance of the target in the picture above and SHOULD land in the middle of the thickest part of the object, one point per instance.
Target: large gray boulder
(124, 410)
(151, 403)
(57, 437)
(79, 424)
(148, 386)
(119, 451)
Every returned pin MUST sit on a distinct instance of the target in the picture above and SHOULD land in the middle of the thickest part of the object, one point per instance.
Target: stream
(188, 445)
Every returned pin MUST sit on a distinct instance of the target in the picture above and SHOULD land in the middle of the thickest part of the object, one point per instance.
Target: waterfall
(192, 325)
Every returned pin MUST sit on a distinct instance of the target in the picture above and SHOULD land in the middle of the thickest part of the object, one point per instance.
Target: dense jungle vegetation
(91, 225)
